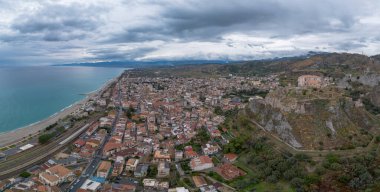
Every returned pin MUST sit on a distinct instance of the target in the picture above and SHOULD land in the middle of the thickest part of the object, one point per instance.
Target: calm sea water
(30, 94)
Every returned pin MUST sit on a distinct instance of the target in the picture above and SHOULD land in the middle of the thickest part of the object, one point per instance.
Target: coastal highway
(94, 163)
(21, 161)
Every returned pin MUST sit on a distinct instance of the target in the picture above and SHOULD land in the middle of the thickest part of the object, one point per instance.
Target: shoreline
(19, 134)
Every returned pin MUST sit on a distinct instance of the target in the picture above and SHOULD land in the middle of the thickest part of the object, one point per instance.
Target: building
(90, 185)
(313, 81)
(55, 175)
(79, 143)
(141, 170)
(131, 164)
(230, 157)
(229, 171)
(209, 188)
(178, 155)
(201, 163)
(118, 166)
(209, 149)
(189, 154)
(163, 169)
(104, 169)
(161, 155)
(199, 181)
(178, 189)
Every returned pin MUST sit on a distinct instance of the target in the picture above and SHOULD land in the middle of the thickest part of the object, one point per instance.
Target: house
(104, 169)
(55, 175)
(25, 185)
(230, 157)
(118, 187)
(90, 185)
(209, 188)
(93, 143)
(161, 155)
(209, 149)
(111, 147)
(131, 164)
(189, 154)
(7, 183)
(155, 185)
(178, 189)
(79, 143)
(229, 171)
(313, 81)
(201, 163)
(141, 170)
(150, 183)
(178, 155)
(118, 166)
(199, 181)
(163, 169)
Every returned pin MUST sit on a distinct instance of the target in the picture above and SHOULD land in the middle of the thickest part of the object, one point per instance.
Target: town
(155, 134)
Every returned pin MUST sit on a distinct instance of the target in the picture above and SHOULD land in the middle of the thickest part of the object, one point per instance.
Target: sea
(31, 94)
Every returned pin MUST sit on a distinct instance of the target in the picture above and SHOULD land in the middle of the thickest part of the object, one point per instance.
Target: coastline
(14, 136)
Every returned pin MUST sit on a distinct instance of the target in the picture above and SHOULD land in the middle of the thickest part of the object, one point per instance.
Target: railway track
(21, 161)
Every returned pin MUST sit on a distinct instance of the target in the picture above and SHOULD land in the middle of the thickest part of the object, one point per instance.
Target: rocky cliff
(310, 119)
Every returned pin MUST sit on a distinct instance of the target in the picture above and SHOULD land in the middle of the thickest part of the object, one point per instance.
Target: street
(95, 161)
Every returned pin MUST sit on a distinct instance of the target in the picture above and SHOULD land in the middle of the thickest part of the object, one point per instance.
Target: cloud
(78, 31)
(59, 22)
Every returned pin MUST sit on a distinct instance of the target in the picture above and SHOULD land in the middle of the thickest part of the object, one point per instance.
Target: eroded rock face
(367, 79)
(315, 123)
(274, 121)
(374, 96)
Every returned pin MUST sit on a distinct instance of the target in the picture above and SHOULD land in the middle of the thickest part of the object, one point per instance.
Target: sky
(42, 32)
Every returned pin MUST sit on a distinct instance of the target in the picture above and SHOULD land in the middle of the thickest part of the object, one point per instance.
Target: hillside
(315, 119)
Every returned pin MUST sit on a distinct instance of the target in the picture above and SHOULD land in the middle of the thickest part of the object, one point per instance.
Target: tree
(218, 110)
(44, 138)
(25, 174)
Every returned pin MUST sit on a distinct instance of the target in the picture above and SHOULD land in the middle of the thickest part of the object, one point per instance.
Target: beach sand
(8, 138)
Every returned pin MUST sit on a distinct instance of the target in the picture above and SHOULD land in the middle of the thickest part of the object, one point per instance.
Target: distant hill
(143, 64)
(334, 65)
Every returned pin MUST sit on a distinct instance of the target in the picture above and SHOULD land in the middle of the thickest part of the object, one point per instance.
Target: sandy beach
(7, 138)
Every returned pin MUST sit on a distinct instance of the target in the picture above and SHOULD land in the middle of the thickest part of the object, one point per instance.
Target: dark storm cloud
(208, 20)
(59, 22)
(146, 29)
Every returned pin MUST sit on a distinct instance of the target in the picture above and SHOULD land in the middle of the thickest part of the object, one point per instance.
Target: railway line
(21, 161)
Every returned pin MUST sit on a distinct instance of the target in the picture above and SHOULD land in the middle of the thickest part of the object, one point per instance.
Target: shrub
(25, 174)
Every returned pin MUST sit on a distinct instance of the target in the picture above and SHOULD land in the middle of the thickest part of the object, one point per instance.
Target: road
(94, 163)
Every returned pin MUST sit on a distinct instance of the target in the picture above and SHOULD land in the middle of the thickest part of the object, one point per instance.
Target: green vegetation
(43, 139)
(152, 171)
(201, 138)
(50, 126)
(371, 107)
(271, 170)
(216, 176)
(185, 165)
(130, 111)
(25, 174)
(188, 182)
(245, 94)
